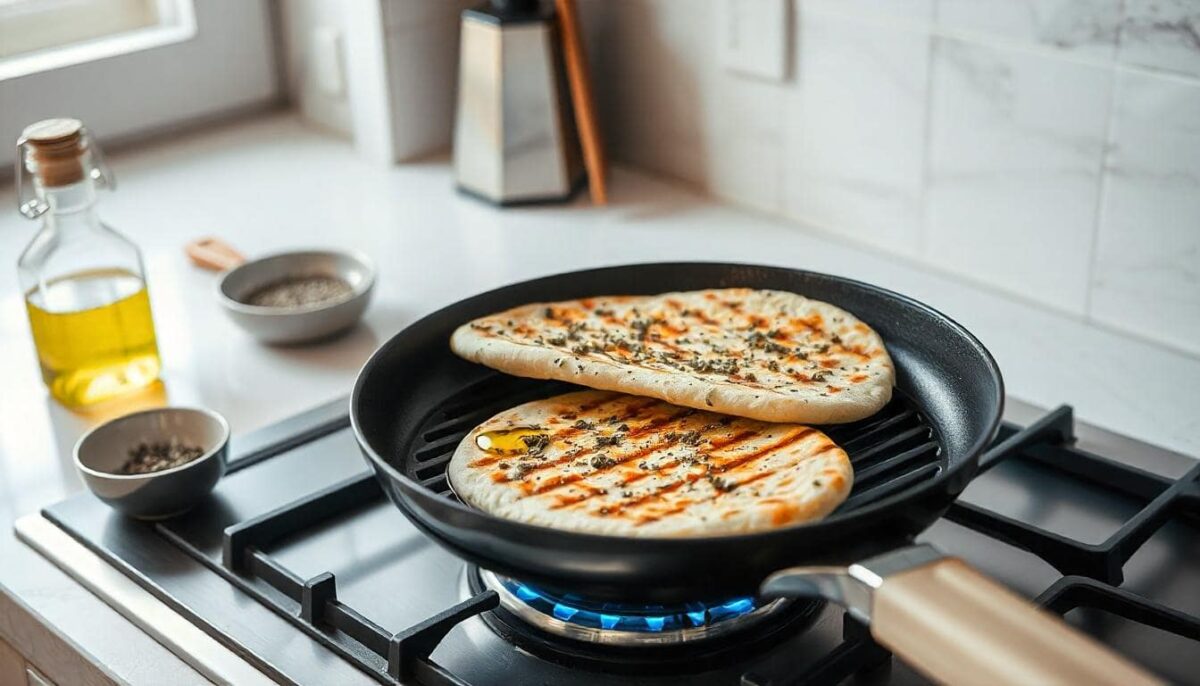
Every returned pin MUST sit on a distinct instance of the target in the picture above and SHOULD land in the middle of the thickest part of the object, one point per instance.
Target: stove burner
(625, 624)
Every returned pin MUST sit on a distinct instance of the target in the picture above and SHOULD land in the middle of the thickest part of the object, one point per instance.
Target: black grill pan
(414, 400)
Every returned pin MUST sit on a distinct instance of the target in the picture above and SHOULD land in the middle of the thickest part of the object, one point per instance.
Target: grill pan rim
(962, 469)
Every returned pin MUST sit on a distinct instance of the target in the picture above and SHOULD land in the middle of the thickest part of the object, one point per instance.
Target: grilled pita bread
(769, 355)
(615, 464)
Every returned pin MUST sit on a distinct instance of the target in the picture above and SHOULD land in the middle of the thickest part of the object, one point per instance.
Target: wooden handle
(213, 253)
(958, 627)
(581, 97)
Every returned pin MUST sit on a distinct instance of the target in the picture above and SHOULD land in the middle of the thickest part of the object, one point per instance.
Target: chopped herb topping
(641, 327)
(536, 444)
(613, 440)
(603, 462)
(773, 347)
(722, 485)
(725, 366)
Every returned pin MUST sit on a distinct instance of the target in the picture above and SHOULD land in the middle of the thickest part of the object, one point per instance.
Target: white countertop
(270, 184)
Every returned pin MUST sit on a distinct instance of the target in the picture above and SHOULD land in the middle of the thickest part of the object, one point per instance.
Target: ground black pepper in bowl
(300, 291)
(155, 457)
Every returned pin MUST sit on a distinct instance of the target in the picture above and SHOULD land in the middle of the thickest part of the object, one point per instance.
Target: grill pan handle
(955, 625)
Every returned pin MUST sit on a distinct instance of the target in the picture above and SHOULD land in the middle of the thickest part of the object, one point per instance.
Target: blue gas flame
(630, 617)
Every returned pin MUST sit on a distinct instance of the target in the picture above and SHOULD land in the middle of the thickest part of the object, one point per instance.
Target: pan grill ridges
(892, 450)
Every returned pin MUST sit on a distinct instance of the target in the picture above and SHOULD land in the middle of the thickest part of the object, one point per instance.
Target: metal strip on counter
(185, 640)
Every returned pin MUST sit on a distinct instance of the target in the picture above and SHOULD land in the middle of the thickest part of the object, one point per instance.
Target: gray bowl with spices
(292, 297)
(156, 463)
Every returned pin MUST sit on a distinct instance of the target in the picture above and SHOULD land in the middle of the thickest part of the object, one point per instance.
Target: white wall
(227, 67)
(1046, 148)
(300, 21)
(422, 56)
(400, 60)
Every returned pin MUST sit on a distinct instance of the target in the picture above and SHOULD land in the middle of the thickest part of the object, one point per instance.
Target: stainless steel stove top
(300, 565)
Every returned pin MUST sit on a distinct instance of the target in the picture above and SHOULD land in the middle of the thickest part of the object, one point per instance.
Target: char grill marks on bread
(761, 354)
(617, 464)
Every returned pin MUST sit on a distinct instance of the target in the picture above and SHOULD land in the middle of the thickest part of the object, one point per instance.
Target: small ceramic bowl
(298, 325)
(155, 495)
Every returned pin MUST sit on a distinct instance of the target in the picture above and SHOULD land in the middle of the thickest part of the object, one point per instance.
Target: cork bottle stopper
(54, 151)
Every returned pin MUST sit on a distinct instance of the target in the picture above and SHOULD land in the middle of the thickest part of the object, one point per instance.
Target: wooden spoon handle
(213, 253)
(579, 80)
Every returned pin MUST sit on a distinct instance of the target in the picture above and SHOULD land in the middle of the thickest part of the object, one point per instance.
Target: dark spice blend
(155, 457)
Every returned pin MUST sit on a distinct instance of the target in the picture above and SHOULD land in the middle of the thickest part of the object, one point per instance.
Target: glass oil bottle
(84, 283)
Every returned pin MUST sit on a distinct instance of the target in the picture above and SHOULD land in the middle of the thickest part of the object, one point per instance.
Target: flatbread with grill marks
(769, 355)
(615, 464)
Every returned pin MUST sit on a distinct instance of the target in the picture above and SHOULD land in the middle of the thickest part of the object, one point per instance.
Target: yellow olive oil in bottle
(84, 283)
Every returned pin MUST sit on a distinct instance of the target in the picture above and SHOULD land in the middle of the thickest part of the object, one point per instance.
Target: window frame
(227, 65)
(162, 22)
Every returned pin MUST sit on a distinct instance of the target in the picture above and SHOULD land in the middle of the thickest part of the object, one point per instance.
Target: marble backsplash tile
(1147, 271)
(855, 156)
(744, 141)
(1161, 34)
(1080, 27)
(970, 135)
(1015, 152)
(654, 80)
(918, 11)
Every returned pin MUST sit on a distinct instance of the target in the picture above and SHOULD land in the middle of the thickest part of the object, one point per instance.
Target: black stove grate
(405, 654)
(1092, 572)
(1048, 442)
(889, 451)
(892, 450)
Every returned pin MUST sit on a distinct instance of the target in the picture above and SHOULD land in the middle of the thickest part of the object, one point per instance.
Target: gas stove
(300, 565)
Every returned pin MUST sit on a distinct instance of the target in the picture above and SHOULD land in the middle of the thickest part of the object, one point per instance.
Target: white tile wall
(421, 40)
(1079, 27)
(744, 141)
(916, 11)
(656, 61)
(1014, 161)
(1161, 34)
(1147, 275)
(1047, 148)
(299, 19)
(855, 153)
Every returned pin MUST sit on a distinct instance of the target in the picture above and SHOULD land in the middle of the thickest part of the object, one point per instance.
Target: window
(44, 34)
(129, 66)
